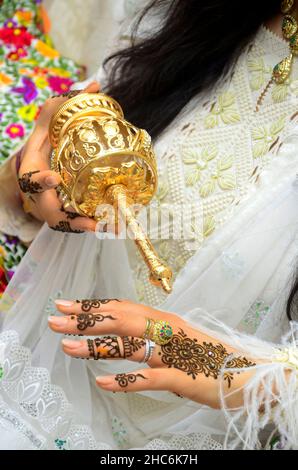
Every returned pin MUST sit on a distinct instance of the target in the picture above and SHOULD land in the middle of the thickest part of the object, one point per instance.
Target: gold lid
(84, 104)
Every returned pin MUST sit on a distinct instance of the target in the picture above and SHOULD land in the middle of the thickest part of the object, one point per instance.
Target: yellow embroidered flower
(209, 226)
(46, 50)
(220, 176)
(259, 73)
(2, 254)
(199, 160)
(26, 72)
(223, 110)
(30, 61)
(59, 72)
(28, 113)
(24, 17)
(266, 138)
(4, 80)
(41, 82)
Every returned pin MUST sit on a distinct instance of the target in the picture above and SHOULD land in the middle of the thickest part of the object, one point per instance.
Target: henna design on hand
(189, 356)
(88, 304)
(69, 94)
(70, 215)
(88, 320)
(106, 347)
(65, 227)
(132, 345)
(125, 379)
(112, 347)
(28, 186)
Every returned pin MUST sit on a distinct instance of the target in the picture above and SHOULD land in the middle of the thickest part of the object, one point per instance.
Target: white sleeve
(270, 396)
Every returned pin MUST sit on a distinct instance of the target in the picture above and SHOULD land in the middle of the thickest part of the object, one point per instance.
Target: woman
(225, 136)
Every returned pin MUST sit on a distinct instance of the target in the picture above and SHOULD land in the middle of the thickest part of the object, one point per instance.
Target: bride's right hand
(38, 183)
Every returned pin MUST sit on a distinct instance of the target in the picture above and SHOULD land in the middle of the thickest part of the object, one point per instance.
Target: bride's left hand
(189, 365)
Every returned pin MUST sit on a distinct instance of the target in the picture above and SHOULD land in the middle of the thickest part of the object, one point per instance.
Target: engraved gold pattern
(103, 159)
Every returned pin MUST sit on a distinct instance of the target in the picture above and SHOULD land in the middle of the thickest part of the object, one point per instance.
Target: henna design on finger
(64, 226)
(70, 215)
(88, 304)
(112, 347)
(189, 356)
(29, 186)
(88, 320)
(69, 94)
(91, 349)
(131, 345)
(124, 380)
(107, 347)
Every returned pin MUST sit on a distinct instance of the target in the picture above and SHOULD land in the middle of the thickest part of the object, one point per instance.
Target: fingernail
(104, 380)
(58, 321)
(71, 344)
(64, 303)
(51, 181)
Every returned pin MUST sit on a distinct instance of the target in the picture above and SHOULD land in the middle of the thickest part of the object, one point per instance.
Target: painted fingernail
(104, 380)
(71, 344)
(51, 181)
(64, 303)
(58, 321)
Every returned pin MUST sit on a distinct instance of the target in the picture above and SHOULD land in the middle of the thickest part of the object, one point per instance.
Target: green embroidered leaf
(227, 181)
(256, 64)
(257, 80)
(209, 153)
(211, 121)
(225, 163)
(277, 126)
(279, 93)
(162, 191)
(260, 149)
(230, 116)
(209, 226)
(226, 100)
(207, 188)
(259, 133)
(190, 156)
(192, 177)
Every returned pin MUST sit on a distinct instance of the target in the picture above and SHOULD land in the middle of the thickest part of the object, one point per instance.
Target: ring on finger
(149, 349)
(159, 331)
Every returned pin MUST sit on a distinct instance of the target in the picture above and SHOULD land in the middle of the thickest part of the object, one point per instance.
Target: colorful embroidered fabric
(31, 70)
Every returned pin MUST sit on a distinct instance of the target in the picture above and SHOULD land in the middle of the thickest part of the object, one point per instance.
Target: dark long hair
(195, 45)
(292, 305)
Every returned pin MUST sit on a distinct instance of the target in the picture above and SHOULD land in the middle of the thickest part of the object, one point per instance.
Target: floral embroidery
(30, 71)
(266, 137)
(223, 110)
(15, 130)
(256, 314)
(28, 113)
(60, 444)
(209, 226)
(11, 253)
(50, 308)
(233, 264)
(119, 432)
(199, 159)
(259, 73)
(220, 177)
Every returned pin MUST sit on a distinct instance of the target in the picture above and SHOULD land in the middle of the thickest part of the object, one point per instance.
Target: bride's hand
(38, 183)
(189, 365)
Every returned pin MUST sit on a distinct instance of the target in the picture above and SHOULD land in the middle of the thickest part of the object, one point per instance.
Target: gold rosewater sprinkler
(105, 160)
